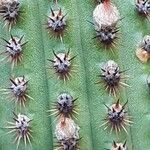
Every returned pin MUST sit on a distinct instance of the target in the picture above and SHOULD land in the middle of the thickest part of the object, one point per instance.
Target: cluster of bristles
(143, 7)
(14, 50)
(65, 106)
(18, 90)
(21, 129)
(66, 129)
(107, 35)
(56, 21)
(9, 10)
(112, 77)
(69, 144)
(117, 118)
(62, 63)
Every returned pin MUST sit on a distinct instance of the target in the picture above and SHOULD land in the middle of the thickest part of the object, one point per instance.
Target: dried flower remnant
(64, 106)
(143, 51)
(14, 50)
(56, 20)
(67, 133)
(62, 64)
(117, 117)
(106, 17)
(9, 10)
(143, 7)
(112, 77)
(119, 146)
(21, 129)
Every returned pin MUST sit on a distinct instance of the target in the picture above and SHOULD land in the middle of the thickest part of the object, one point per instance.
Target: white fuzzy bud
(104, 15)
(67, 130)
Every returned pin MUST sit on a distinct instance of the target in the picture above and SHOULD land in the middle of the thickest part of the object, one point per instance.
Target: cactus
(45, 86)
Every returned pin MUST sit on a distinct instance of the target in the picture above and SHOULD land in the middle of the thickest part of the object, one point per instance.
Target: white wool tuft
(7, 1)
(105, 17)
(67, 131)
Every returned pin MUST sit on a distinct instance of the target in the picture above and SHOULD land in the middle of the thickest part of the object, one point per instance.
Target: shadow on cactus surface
(45, 87)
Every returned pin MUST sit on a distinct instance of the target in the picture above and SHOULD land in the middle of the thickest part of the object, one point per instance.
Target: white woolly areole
(105, 16)
(7, 1)
(17, 48)
(119, 145)
(67, 130)
(111, 66)
(21, 87)
(22, 122)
